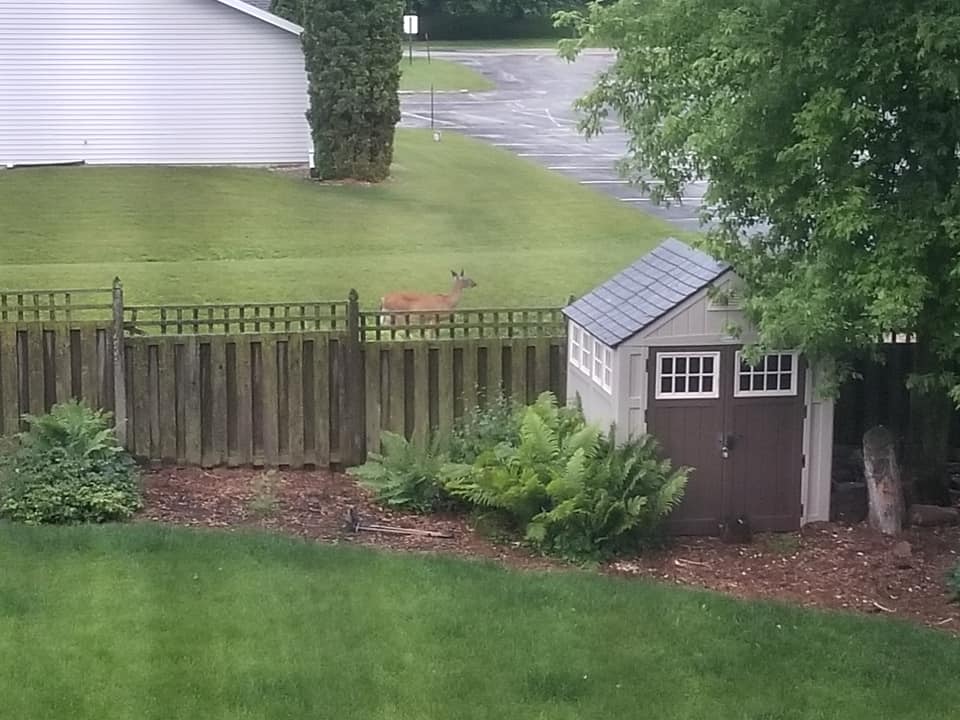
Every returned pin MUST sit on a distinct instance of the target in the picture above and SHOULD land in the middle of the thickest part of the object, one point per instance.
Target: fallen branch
(878, 606)
(682, 562)
(945, 621)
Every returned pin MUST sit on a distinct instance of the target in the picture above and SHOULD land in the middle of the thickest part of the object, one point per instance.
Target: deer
(405, 302)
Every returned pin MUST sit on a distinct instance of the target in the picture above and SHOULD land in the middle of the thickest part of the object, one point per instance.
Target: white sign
(411, 24)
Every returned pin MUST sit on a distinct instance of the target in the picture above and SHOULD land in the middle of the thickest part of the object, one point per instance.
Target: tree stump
(884, 486)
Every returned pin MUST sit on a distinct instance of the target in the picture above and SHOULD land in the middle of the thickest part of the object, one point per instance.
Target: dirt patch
(828, 565)
(311, 504)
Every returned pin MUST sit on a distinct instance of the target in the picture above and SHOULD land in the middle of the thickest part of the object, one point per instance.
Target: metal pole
(410, 35)
(426, 36)
(431, 106)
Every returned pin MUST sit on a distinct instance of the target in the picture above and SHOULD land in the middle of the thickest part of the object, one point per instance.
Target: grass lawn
(526, 235)
(150, 622)
(443, 74)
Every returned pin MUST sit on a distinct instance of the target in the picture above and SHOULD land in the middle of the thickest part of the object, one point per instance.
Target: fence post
(119, 371)
(352, 422)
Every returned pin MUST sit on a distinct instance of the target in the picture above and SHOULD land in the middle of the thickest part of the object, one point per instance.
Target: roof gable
(255, 9)
(637, 296)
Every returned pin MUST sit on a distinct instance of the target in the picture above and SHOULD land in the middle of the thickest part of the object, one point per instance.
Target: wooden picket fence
(190, 386)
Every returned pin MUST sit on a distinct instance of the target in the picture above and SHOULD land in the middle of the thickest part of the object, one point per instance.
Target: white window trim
(604, 356)
(584, 353)
(576, 342)
(713, 394)
(792, 392)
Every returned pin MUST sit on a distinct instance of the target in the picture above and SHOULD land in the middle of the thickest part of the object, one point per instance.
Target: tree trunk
(883, 481)
(930, 413)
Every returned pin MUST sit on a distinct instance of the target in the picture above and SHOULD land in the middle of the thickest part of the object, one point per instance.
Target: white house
(650, 351)
(172, 82)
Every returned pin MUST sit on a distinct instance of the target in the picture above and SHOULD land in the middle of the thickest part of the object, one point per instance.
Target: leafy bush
(483, 428)
(352, 54)
(68, 467)
(405, 476)
(953, 582)
(570, 490)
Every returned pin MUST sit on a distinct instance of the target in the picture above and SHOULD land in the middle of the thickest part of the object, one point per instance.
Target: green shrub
(571, 491)
(405, 476)
(352, 55)
(483, 428)
(68, 467)
(953, 582)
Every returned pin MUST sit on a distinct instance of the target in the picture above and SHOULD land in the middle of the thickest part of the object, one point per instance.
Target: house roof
(644, 292)
(260, 10)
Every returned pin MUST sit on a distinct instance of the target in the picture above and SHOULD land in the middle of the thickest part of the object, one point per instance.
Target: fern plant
(569, 489)
(404, 475)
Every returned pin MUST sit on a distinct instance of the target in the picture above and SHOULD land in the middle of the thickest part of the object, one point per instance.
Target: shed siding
(598, 405)
(632, 390)
(818, 447)
(148, 82)
(692, 322)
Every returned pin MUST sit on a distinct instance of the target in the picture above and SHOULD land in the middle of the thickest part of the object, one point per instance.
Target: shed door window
(774, 374)
(688, 375)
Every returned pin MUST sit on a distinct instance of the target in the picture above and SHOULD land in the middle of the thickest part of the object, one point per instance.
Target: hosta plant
(68, 467)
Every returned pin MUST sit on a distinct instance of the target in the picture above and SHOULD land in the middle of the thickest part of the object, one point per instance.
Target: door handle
(726, 444)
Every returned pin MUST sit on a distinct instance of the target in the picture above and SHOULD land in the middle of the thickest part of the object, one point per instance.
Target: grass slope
(148, 622)
(442, 74)
(225, 234)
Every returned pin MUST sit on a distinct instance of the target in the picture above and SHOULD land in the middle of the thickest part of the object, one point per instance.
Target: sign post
(411, 26)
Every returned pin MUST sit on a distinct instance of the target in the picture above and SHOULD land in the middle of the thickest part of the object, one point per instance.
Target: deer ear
(461, 272)
(453, 272)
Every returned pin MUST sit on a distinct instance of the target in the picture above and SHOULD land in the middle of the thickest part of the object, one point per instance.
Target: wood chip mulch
(826, 565)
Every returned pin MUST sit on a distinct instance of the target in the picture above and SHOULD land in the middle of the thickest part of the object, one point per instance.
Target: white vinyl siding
(148, 82)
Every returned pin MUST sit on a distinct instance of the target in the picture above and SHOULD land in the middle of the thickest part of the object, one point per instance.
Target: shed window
(688, 375)
(591, 356)
(576, 344)
(602, 365)
(774, 374)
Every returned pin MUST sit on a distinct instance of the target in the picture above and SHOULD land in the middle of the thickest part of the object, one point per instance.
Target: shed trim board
(151, 82)
(790, 425)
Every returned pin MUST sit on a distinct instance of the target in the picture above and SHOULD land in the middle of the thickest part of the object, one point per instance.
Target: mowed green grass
(444, 75)
(526, 235)
(150, 622)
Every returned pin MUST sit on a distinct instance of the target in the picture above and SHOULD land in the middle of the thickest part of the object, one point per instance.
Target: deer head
(461, 282)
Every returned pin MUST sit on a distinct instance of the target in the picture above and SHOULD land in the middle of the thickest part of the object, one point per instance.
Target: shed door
(739, 427)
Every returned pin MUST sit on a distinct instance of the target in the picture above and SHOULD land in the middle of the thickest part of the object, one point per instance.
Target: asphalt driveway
(531, 114)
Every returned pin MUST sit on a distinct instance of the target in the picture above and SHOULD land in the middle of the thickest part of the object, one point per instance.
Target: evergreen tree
(353, 51)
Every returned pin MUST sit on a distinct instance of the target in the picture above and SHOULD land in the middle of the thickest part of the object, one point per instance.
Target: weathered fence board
(306, 384)
(441, 370)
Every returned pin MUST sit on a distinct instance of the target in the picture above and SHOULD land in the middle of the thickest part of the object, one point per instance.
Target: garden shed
(651, 351)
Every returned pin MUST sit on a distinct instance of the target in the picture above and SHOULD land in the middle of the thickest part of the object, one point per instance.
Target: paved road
(531, 114)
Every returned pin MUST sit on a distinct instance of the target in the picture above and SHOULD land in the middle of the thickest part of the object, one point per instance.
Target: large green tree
(836, 124)
(352, 50)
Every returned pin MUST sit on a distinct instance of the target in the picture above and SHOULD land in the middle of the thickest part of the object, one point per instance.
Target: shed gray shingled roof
(262, 4)
(651, 287)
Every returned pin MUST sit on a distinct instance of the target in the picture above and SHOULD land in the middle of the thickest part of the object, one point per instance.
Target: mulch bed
(826, 565)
